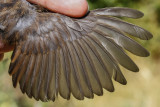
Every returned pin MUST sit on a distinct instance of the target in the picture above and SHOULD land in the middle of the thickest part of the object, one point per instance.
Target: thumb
(72, 8)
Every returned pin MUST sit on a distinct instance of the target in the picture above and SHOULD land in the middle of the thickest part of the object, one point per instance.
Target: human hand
(72, 8)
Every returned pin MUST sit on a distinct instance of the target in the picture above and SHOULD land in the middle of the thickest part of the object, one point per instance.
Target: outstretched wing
(56, 54)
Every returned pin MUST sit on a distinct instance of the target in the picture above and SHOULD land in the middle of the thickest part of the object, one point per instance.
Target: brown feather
(58, 55)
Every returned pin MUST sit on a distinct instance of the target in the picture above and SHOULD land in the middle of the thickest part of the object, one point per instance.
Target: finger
(72, 8)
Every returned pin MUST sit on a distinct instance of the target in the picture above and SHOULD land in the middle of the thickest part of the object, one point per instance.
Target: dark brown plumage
(55, 54)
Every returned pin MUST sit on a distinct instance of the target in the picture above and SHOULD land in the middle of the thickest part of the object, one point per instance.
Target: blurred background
(143, 88)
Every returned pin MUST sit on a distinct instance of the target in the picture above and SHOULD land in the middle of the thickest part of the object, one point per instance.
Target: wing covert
(61, 55)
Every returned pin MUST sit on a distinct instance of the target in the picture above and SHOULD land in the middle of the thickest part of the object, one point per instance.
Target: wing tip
(120, 11)
(139, 14)
(112, 89)
(146, 54)
(135, 14)
(134, 69)
(123, 82)
(147, 36)
(150, 36)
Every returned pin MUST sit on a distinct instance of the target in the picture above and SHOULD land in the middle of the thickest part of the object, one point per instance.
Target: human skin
(72, 8)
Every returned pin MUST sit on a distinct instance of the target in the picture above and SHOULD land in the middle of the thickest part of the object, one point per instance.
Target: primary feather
(56, 54)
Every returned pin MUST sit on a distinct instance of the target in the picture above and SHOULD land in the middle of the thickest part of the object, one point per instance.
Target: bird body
(56, 54)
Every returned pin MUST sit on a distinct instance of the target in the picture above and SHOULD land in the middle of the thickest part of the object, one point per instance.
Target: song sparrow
(56, 54)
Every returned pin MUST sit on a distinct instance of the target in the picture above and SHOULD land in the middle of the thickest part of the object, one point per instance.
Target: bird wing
(57, 54)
